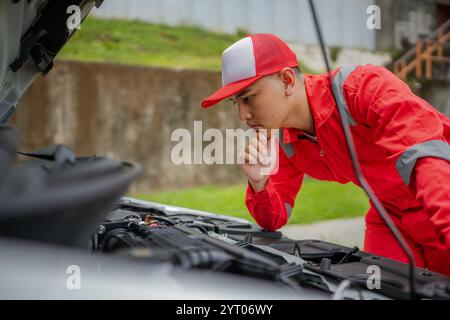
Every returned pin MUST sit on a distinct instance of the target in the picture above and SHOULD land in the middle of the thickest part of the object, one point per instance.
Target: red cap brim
(228, 91)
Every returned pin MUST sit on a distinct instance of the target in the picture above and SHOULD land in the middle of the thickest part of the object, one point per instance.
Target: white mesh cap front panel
(238, 62)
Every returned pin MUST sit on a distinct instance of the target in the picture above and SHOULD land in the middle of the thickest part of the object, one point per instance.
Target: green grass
(134, 42)
(317, 200)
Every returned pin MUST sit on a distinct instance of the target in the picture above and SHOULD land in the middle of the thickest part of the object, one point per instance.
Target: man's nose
(244, 114)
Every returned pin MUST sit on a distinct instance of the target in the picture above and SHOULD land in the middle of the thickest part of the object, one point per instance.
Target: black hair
(297, 71)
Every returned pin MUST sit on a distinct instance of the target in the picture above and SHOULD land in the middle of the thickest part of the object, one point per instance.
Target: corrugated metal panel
(343, 21)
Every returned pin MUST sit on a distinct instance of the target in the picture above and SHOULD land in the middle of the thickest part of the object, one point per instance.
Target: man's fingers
(262, 136)
(253, 152)
(260, 149)
(253, 142)
(252, 156)
(248, 156)
(260, 144)
(252, 159)
(261, 155)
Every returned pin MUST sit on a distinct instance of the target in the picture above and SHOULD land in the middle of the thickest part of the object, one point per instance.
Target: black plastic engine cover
(58, 197)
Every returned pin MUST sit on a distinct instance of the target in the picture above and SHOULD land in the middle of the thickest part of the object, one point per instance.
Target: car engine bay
(154, 232)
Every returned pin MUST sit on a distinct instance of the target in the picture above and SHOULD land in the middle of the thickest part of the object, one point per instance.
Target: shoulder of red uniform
(369, 79)
(369, 72)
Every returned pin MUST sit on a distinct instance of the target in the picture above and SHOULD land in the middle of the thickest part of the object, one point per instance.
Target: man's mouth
(255, 126)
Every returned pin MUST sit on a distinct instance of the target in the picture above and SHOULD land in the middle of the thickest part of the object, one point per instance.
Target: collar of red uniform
(321, 104)
(291, 134)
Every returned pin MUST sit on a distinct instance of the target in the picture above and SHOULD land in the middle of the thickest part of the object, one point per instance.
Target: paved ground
(347, 232)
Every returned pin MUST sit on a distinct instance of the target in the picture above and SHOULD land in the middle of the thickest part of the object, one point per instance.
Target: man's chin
(266, 130)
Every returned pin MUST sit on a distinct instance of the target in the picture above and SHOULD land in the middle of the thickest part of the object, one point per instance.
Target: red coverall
(403, 147)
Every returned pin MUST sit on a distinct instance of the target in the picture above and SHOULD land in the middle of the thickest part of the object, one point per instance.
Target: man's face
(263, 104)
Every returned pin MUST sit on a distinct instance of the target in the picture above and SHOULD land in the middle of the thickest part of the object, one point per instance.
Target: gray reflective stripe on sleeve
(288, 209)
(338, 90)
(288, 148)
(433, 148)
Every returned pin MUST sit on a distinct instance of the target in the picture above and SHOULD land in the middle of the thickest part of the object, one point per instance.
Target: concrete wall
(413, 19)
(127, 113)
(404, 21)
(437, 93)
(343, 21)
(437, 90)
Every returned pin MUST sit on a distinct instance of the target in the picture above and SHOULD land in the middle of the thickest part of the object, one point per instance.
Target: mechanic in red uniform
(401, 140)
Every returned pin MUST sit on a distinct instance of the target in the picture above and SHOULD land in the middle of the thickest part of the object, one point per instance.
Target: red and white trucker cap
(248, 60)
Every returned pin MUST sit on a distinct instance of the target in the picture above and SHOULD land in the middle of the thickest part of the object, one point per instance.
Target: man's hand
(255, 160)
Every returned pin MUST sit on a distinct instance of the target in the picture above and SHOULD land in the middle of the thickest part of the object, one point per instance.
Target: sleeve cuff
(263, 195)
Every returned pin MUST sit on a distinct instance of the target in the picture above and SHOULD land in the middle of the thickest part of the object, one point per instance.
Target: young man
(401, 141)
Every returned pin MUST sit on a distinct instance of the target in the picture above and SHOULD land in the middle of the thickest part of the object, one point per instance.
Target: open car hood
(50, 187)
(31, 35)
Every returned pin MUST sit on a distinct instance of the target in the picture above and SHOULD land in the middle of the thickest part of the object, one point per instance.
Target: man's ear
(287, 77)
